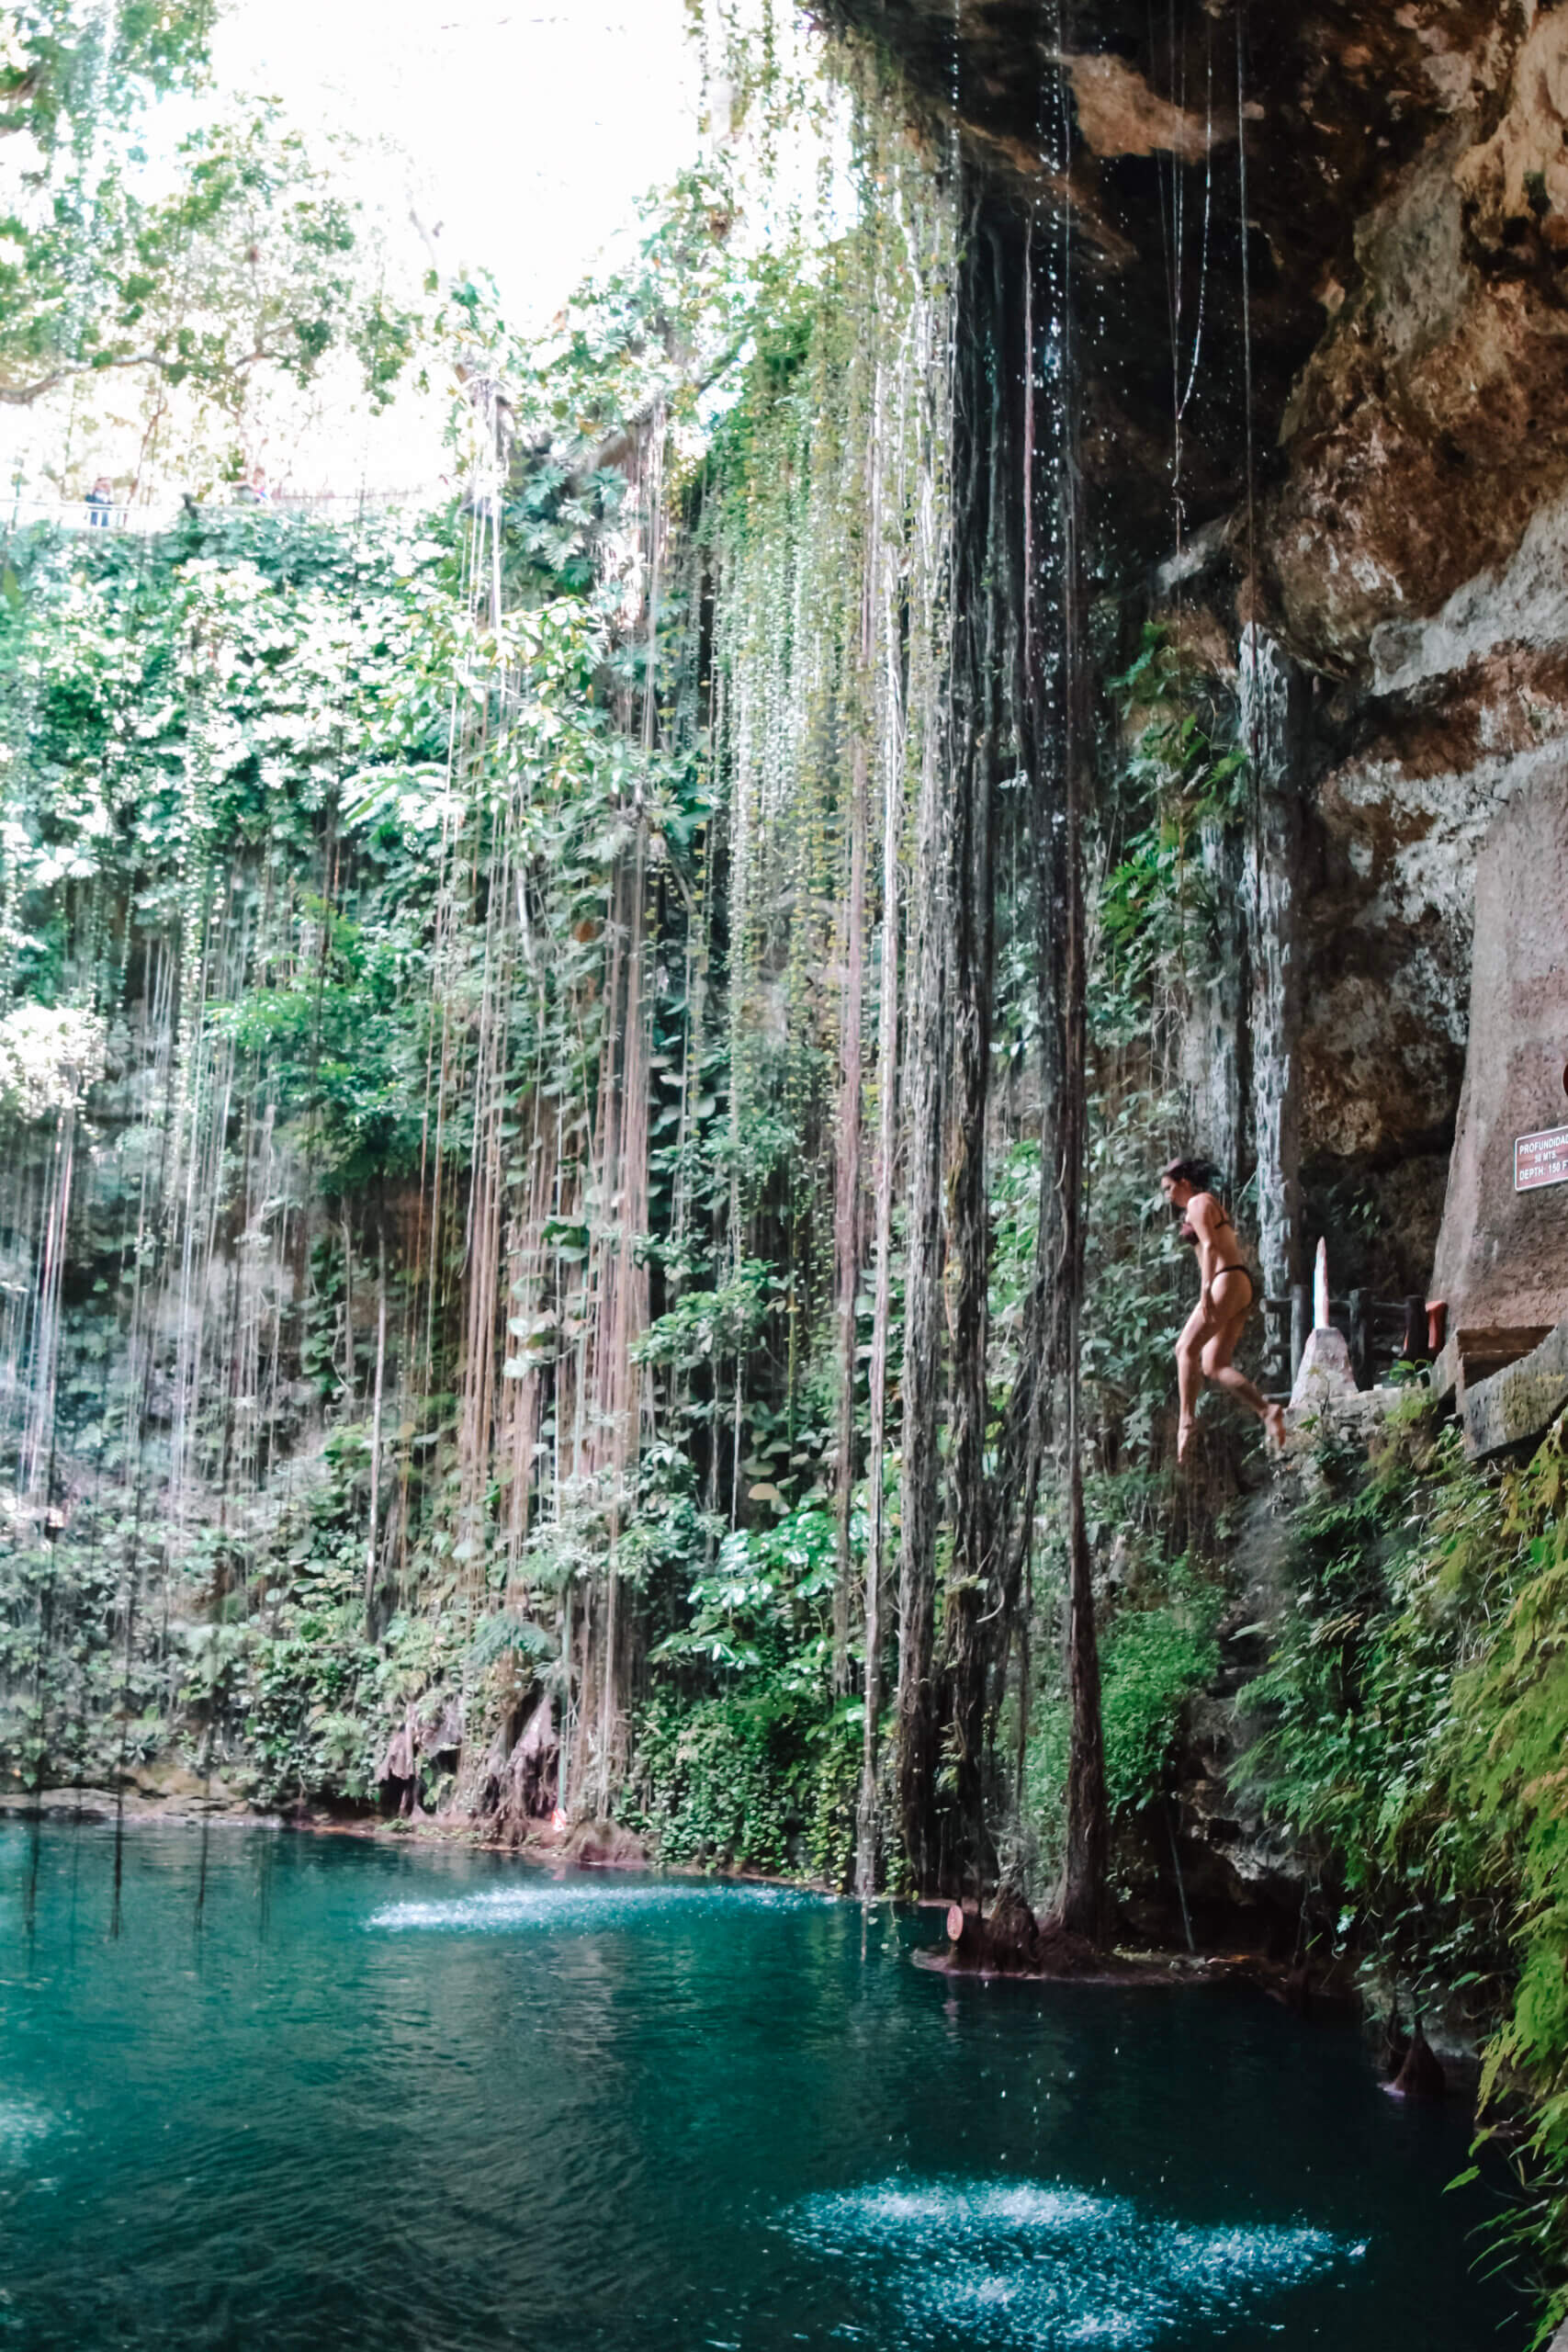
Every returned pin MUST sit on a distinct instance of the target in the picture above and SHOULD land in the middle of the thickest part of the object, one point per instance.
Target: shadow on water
(326, 2092)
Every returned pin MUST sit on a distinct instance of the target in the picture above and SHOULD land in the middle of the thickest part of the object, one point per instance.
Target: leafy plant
(1416, 1714)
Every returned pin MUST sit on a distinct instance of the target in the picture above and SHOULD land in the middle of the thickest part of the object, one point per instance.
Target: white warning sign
(1541, 1160)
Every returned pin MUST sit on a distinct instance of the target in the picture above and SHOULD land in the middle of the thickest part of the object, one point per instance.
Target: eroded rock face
(1502, 1254)
(1400, 815)
(1430, 428)
(1118, 114)
(1405, 317)
(1519, 1405)
(1522, 605)
(1406, 304)
(1518, 179)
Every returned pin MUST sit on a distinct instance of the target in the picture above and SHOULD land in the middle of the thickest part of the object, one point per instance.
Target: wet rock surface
(1394, 505)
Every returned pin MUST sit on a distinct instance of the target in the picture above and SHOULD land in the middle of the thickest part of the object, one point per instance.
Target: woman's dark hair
(1200, 1173)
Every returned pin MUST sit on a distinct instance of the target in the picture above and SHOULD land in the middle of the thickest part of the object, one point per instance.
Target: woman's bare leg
(1217, 1366)
(1190, 1352)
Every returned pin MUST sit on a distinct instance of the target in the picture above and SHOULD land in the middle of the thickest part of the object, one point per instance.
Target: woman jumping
(1211, 1332)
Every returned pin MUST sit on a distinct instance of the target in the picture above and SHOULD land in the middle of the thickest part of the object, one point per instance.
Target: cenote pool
(387, 2096)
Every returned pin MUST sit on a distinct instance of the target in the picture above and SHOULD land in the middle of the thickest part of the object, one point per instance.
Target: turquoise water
(394, 2098)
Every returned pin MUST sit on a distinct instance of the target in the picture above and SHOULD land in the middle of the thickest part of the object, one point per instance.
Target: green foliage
(750, 1781)
(66, 64)
(1416, 1722)
(1180, 751)
(709, 1325)
(1133, 1268)
(1396, 1584)
(1048, 1756)
(253, 265)
(759, 1774)
(61, 1682)
(509, 1635)
(662, 327)
(189, 709)
(711, 1782)
(310, 1697)
(1156, 1661)
(1182, 773)
(1513, 1702)
(306, 1722)
(766, 1602)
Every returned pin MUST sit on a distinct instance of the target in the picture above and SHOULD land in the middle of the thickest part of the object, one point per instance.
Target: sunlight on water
(1037, 2263)
(21, 2127)
(574, 1909)
(400, 2100)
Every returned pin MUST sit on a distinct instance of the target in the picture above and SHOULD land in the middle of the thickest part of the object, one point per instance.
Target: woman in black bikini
(1211, 1332)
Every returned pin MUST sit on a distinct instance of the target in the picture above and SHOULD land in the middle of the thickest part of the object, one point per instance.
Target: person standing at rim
(1211, 1333)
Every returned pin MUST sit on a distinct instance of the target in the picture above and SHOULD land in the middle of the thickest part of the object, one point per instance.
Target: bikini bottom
(1213, 1278)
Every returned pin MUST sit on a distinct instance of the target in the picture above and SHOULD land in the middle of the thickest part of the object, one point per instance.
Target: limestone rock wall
(1502, 1257)
(1420, 546)
(1365, 296)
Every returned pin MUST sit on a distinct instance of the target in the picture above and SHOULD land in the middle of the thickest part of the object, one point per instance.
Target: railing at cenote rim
(1381, 1332)
(148, 518)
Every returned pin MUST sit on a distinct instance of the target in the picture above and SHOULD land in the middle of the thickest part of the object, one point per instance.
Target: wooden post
(1412, 1346)
(1301, 1324)
(1276, 1342)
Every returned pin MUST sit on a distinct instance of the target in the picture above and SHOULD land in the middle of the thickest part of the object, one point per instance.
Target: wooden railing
(1379, 1332)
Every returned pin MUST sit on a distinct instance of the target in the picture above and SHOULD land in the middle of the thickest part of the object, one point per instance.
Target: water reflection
(416, 2100)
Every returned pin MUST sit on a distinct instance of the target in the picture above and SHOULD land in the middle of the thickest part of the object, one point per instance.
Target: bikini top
(1187, 1233)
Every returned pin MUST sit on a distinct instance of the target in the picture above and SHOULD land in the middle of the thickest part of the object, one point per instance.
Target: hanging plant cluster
(522, 1237)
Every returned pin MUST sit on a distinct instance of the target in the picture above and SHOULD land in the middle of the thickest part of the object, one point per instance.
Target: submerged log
(1421, 2076)
(1010, 1941)
(1297, 1990)
(1396, 2045)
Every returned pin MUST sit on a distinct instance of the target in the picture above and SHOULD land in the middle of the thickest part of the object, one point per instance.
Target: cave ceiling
(1406, 270)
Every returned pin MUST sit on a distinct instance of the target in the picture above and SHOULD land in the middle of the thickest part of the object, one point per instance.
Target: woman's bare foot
(1183, 1438)
(1274, 1423)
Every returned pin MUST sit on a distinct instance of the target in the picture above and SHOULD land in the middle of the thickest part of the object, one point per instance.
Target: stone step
(1517, 1406)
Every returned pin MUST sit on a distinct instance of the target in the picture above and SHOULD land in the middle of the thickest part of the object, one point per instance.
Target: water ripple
(1037, 2262)
(20, 2126)
(557, 1908)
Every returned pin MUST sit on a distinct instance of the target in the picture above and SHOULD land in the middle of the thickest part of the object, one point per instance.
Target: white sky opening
(523, 135)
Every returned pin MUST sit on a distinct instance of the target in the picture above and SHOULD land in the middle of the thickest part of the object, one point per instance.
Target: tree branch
(23, 395)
